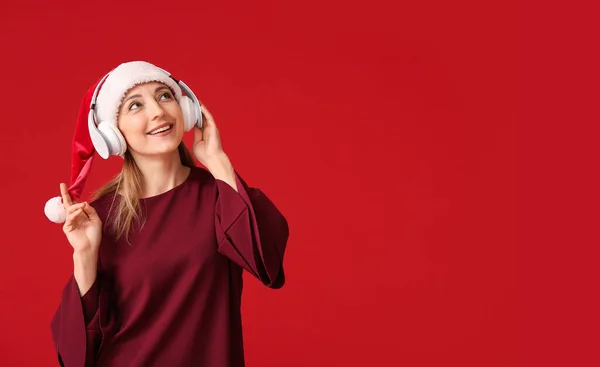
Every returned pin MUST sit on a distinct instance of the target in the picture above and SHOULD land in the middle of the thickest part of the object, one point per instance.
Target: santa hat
(109, 92)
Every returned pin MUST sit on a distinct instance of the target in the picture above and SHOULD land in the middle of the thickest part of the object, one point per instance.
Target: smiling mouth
(160, 130)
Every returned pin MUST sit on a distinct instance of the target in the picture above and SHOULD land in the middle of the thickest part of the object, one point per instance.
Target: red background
(433, 159)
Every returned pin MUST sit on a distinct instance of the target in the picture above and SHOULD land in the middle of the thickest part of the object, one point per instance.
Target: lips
(160, 129)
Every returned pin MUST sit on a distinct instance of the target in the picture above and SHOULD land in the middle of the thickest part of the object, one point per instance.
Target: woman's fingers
(74, 207)
(198, 134)
(208, 118)
(89, 211)
(72, 220)
(66, 198)
(74, 214)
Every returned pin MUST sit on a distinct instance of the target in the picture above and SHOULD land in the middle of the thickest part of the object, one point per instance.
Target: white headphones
(107, 138)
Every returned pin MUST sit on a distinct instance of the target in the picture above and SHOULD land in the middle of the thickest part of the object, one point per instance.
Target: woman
(159, 253)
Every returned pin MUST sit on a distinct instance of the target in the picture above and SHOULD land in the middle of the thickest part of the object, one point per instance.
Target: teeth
(160, 130)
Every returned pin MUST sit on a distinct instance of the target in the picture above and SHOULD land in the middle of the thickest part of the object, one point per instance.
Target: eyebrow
(138, 95)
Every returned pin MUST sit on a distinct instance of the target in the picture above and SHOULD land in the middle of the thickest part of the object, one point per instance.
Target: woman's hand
(82, 227)
(207, 141)
(209, 150)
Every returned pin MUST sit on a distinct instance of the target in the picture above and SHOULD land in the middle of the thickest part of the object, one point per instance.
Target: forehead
(148, 87)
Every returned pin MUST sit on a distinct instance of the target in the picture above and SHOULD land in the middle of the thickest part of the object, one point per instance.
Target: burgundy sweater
(172, 297)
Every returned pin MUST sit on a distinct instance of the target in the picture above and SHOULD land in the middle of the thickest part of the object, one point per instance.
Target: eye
(166, 95)
(134, 106)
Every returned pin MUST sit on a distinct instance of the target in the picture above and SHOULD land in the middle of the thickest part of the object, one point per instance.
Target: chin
(165, 149)
(155, 150)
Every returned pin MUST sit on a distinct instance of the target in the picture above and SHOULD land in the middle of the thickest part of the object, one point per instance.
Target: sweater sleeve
(251, 231)
(75, 326)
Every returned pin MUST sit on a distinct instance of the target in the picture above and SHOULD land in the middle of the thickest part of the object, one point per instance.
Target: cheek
(132, 128)
(175, 111)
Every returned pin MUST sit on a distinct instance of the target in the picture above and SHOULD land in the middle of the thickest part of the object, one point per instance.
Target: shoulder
(202, 177)
(200, 173)
(103, 204)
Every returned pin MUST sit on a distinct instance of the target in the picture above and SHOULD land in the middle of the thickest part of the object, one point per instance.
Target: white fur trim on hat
(121, 80)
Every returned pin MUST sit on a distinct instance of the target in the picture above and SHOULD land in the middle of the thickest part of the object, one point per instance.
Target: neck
(161, 173)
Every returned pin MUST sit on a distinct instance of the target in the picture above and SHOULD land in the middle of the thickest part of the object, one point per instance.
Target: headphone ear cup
(98, 140)
(113, 138)
(189, 111)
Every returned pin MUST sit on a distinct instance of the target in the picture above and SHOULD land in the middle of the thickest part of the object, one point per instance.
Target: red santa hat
(101, 105)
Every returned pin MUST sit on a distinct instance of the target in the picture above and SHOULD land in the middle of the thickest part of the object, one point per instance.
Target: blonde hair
(129, 185)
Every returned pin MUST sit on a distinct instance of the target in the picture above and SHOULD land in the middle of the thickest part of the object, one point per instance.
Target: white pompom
(55, 210)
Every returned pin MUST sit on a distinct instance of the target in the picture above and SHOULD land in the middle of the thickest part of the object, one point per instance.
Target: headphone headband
(186, 91)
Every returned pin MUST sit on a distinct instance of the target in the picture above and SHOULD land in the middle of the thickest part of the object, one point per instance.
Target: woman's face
(151, 120)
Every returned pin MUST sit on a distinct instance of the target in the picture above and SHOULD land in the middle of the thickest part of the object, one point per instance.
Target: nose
(155, 110)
